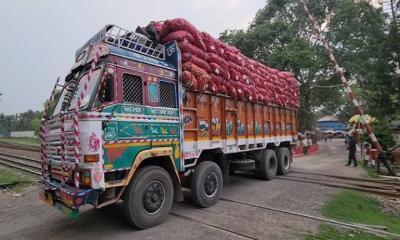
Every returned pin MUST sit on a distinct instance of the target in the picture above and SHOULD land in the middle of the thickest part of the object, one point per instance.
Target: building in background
(331, 124)
(18, 134)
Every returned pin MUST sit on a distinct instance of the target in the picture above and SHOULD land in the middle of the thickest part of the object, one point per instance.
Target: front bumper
(64, 198)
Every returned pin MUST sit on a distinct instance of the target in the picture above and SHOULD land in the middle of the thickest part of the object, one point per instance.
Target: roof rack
(127, 40)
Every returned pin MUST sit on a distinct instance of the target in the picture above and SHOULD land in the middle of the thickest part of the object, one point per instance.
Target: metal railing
(132, 41)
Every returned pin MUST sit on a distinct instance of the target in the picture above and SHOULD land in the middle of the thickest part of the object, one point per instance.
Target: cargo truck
(125, 128)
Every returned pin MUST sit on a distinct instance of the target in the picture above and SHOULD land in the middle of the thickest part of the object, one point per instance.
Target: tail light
(91, 158)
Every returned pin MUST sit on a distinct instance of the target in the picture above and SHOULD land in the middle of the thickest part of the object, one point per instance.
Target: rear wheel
(206, 184)
(149, 197)
(284, 160)
(268, 165)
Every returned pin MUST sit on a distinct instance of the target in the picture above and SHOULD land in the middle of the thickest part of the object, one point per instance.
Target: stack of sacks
(209, 64)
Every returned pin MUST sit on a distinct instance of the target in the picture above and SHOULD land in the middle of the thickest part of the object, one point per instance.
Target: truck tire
(149, 197)
(268, 165)
(284, 160)
(206, 184)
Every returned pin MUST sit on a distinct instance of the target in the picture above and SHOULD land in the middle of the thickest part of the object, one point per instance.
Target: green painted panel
(111, 131)
(122, 157)
(141, 110)
(153, 92)
(132, 130)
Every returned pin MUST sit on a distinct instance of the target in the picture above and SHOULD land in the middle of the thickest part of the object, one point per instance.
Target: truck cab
(127, 86)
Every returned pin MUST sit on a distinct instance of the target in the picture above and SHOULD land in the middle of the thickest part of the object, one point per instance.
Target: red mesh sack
(209, 42)
(187, 57)
(179, 24)
(189, 80)
(212, 87)
(178, 36)
(195, 70)
(234, 75)
(187, 47)
(230, 87)
(203, 81)
(218, 70)
(214, 58)
(182, 35)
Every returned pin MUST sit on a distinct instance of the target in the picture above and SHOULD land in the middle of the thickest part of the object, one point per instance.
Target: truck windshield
(89, 92)
(64, 97)
(69, 88)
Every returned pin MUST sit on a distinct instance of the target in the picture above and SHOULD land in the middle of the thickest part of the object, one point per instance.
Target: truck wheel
(268, 165)
(149, 197)
(284, 160)
(206, 184)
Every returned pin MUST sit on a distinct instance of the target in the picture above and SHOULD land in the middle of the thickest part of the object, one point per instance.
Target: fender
(140, 157)
(145, 154)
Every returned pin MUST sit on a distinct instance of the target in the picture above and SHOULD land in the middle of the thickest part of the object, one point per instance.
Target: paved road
(25, 217)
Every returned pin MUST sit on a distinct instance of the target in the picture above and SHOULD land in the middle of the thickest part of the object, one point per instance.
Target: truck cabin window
(132, 89)
(168, 94)
(90, 91)
(106, 92)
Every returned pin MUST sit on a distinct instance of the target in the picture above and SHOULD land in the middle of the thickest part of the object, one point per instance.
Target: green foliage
(328, 232)
(8, 177)
(383, 134)
(356, 207)
(18, 122)
(35, 125)
(280, 37)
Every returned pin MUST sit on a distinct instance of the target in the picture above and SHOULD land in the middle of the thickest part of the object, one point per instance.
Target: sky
(38, 38)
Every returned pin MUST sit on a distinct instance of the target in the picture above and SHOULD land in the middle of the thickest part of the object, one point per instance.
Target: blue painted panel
(140, 58)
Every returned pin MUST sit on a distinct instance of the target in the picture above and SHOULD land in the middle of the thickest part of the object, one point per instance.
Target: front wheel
(149, 197)
(206, 184)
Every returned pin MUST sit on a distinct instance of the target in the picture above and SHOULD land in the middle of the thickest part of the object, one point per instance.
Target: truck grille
(53, 147)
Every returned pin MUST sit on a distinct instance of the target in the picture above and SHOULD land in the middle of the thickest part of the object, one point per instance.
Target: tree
(280, 36)
(35, 125)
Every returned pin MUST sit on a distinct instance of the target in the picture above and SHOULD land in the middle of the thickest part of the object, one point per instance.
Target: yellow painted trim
(119, 145)
(154, 152)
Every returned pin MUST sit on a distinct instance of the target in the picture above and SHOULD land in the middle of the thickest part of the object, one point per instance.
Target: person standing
(352, 146)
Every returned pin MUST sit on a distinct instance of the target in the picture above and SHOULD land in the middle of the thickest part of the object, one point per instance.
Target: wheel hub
(210, 184)
(286, 162)
(153, 197)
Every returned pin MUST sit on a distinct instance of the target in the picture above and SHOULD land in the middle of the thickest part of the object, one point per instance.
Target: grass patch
(9, 176)
(371, 171)
(356, 207)
(22, 140)
(328, 232)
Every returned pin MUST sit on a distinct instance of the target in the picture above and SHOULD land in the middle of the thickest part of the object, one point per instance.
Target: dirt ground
(25, 217)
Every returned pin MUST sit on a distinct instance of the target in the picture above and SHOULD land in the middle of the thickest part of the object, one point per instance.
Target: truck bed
(216, 121)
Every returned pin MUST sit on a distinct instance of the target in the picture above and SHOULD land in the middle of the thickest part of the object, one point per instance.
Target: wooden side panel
(241, 119)
(216, 118)
(204, 117)
(190, 117)
(282, 114)
(259, 120)
(267, 121)
(210, 119)
(230, 121)
(250, 121)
